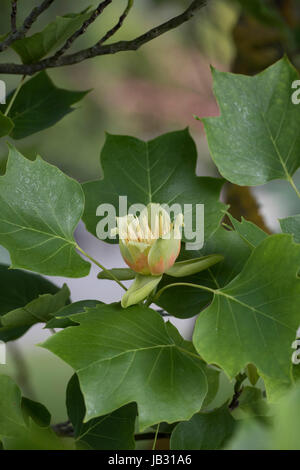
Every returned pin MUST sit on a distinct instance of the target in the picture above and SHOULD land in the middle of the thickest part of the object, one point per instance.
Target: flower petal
(163, 254)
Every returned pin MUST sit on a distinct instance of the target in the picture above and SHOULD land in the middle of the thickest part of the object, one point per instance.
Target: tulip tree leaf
(18, 431)
(291, 225)
(184, 301)
(11, 334)
(36, 411)
(204, 431)
(6, 125)
(252, 374)
(254, 318)
(213, 382)
(159, 171)
(248, 231)
(127, 355)
(256, 139)
(32, 49)
(251, 403)
(37, 311)
(283, 434)
(114, 431)
(39, 105)
(19, 288)
(212, 374)
(40, 208)
(251, 435)
(62, 317)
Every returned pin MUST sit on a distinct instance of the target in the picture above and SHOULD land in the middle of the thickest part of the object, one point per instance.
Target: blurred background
(146, 93)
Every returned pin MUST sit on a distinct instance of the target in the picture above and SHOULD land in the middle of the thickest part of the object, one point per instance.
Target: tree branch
(64, 429)
(13, 16)
(83, 28)
(31, 18)
(99, 49)
(238, 388)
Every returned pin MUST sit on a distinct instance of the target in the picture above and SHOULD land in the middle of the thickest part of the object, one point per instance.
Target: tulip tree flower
(150, 245)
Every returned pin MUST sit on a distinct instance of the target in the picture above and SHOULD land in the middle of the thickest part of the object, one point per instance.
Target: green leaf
(4, 256)
(212, 374)
(251, 403)
(205, 431)
(255, 317)
(291, 225)
(256, 139)
(32, 49)
(213, 380)
(114, 431)
(40, 208)
(16, 430)
(139, 289)
(252, 374)
(19, 288)
(126, 356)
(39, 310)
(159, 171)
(282, 435)
(6, 125)
(286, 431)
(39, 105)
(62, 317)
(248, 231)
(185, 302)
(123, 274)
(250, 435)
(36, 411)
(193, 266)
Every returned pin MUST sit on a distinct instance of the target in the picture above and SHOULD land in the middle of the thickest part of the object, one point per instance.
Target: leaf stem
(155, 437)
(101, 267)
(10, 104)
(292, 183)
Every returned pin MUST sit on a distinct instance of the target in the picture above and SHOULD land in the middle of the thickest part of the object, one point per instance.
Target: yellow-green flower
(150, 243)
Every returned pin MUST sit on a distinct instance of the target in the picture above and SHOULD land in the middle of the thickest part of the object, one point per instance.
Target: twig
(163, 313)
(96, 13)
(13, 16)
(119, 24)
(99, 50)
(28, 22)
(64, 429)
(237, 391)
